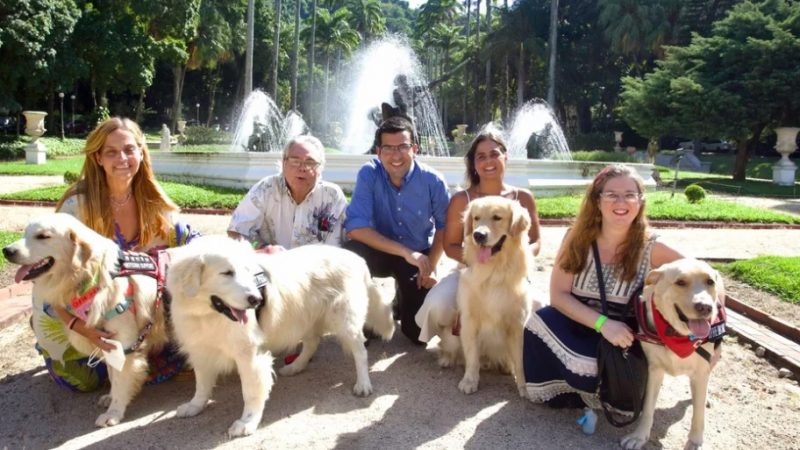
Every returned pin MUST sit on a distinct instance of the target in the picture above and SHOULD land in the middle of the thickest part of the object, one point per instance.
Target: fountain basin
(243, 169)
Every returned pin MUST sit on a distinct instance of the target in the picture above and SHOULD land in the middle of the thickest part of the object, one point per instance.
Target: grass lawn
(775, 274)
(7, 237)
(52, 167)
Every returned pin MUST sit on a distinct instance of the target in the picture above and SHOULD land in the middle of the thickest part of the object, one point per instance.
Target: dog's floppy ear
(653, 277)
(466, 219)
(83, 251)
(520, 220)
(191, 275)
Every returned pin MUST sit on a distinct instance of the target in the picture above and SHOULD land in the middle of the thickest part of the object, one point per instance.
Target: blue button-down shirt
(409, 214)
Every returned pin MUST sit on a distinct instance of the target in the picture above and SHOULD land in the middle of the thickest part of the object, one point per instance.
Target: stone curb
(542, 221)
(756, 315)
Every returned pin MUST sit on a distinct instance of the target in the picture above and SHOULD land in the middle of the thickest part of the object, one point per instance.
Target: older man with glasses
(295, 207)
(396, 218)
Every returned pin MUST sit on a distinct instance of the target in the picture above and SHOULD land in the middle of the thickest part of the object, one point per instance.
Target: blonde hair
(153, 206)
(588, 224)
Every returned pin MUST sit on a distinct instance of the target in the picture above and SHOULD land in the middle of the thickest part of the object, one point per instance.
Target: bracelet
(72, 322)
(601, 319)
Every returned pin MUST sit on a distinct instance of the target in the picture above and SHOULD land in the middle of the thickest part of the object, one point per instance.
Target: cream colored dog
(493, 291)
(64, 258)
(679, 300)
(224, 321)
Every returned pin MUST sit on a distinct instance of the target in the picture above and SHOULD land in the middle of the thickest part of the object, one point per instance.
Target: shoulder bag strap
(600, 281)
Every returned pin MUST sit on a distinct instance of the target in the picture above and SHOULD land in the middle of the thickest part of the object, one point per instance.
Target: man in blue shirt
(395, 219)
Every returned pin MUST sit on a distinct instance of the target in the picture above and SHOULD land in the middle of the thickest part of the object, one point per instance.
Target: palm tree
(551, 78)
(295, 54)
(335, 36)
(366, 18)
(445, 38)
(311, 63)
(276, 47)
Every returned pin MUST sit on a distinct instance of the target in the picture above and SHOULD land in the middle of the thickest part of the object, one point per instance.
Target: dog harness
(662, 333)
(128, 263)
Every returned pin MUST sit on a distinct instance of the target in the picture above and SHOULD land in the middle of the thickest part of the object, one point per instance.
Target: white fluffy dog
(224, 321)
(682, 311)
(493, 291)
(64, 258)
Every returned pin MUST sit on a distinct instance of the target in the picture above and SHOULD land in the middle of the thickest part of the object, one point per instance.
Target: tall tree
(366, 17)
(295, 54)
(276, 47)
(553, 47)
(335, 35)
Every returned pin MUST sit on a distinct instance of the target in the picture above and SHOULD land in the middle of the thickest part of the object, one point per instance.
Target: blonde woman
(560, 341)
(486, 162)
(117, 196)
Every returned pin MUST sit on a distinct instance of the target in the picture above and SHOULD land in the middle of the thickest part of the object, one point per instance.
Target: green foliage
(98, 115)
(52, 167)
(602, 156)
(775, 274)
(71, 177)
(694, 193)
(591, 141)
(7, 237)
(206, 135)
(13, 148)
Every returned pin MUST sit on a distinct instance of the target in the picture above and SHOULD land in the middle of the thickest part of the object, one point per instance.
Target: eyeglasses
(402, 148)
(297, 163)
(627, 197)
(114, 154)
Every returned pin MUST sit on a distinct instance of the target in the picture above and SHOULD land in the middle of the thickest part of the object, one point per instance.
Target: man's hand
(271, 249)
(426, 282)
(421, 262)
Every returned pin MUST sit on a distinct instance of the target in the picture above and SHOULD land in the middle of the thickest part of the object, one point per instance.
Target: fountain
(375, 81)
(262, 128)
(536, 134)
(387, 71)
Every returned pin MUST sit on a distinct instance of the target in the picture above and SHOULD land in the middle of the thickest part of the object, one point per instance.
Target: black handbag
(621, 372)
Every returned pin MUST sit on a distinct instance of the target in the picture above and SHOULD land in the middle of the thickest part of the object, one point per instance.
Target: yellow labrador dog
(232, 309)
(73, 267)
(681, 318)
(493, 297)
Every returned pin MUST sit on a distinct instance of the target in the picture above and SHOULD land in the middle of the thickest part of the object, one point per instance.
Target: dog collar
(681, 345)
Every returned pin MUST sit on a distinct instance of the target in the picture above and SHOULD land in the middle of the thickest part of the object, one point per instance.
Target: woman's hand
(94, 335)
(618, 333)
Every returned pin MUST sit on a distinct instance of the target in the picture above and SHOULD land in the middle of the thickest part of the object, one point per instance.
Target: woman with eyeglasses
(486, 163)
(295, 207)
(560, 343)
(117, 196)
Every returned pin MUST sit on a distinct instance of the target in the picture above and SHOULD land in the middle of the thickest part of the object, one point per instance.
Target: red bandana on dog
(702, 331)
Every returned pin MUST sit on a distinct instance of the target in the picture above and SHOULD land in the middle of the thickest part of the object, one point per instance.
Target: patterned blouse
(268, 215)
(586, 288)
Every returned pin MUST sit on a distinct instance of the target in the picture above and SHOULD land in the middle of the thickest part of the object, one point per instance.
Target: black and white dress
(560, 355)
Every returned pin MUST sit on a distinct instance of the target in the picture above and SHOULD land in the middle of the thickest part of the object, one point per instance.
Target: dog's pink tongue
(240, 314)
(22, 272)
(699, 328)
(484, 253)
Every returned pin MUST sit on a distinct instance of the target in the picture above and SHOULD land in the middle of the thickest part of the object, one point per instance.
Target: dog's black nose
(702, 308)
(253, 300)
(8, 252)
(480, 237)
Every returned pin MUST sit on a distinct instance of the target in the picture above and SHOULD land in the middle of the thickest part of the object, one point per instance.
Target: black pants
(409, 298)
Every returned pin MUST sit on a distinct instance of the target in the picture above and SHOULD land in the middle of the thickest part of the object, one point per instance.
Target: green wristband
(599, 322)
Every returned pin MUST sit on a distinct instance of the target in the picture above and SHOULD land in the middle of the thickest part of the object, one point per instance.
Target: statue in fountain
(258, 140)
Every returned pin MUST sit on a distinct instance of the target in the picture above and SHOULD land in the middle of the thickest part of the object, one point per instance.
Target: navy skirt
(559, 357)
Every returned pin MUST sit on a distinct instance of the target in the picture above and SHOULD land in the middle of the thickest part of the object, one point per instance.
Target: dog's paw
(188, 410)
(446, 360)
(108, 419)
(291, 369)
(468, 385)
(693, 445)
(104, 401)
(634, 441)
(242, 428)
(362, 389)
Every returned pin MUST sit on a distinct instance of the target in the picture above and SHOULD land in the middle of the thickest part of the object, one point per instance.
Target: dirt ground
(415, 404)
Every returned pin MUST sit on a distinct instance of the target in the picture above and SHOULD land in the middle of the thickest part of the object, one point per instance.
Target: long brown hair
(472, 177)
(589, 223)
(153, 206)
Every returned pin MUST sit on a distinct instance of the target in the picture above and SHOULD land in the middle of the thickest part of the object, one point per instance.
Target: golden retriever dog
(66, 261)
(682, 319)
(232, 309)
(493, 291)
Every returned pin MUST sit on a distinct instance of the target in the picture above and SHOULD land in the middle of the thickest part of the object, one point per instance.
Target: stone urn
(35, 152)
(618, 141)
(783, 172)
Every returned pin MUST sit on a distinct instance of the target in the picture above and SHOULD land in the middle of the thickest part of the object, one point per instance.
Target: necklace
(116, 203)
